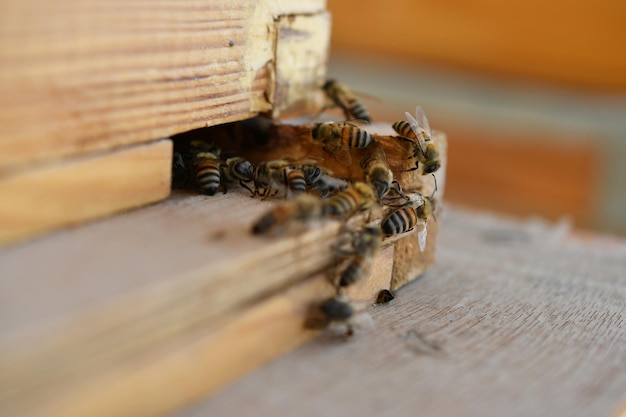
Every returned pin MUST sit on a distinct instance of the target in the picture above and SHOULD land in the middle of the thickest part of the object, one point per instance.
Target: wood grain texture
(517, 318)
(78, 75)
(105, 304)
(300, 63)
(81, 189)
(580, 46)
(148, 282)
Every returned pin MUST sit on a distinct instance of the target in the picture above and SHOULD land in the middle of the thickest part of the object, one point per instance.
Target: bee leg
(246, 187)
(326, 107)
(413, 169)
(349, 330)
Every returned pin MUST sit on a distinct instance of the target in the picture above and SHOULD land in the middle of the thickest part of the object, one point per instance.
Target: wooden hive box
(149, 310)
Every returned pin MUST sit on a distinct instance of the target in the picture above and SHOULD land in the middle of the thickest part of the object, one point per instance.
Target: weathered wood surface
(516, 319)
(78, 75)
(107, 303)
(83, 188)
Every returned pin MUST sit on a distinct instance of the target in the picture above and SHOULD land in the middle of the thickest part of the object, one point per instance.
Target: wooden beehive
(146, 311)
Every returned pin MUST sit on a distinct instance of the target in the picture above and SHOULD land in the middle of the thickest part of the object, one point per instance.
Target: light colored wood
(81, 189)
(111, 293)
(191, 366)
(580, 46)
(78, 76)
(516, 318)
(300, 62)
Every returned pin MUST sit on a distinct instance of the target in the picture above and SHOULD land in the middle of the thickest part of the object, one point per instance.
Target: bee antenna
(435, 190)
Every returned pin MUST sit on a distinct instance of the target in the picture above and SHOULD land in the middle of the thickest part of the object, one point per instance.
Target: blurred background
(531, 94)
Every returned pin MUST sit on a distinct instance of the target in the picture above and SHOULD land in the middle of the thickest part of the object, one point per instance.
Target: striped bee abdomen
(353, 272)
(357, 110)
(353, 137)
(403, 128)
(296, 181)
(399, 221)
(208, 175)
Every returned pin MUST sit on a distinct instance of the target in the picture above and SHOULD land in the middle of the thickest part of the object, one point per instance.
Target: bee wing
(416, 200)
(422, 120)
(419, 128)
(340, 153)
(421, 237)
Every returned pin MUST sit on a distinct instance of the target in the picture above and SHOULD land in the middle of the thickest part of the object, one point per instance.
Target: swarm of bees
(310, 189)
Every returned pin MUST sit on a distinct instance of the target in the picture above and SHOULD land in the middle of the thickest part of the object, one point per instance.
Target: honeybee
(284, 174)
(323, 180)
(302, 208)
(213, 173)
(384, 296)
(358, 197)
(338, 309)
(237, 169)
(181, 172)
(365, 246)
(263, 177)
(338, 137)
(342, 97)
(377, 172)
(417, 132)
(208, 173)
(404, 219)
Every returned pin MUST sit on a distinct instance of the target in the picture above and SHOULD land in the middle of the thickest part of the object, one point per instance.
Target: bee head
(245, 170)
(431, 167)
(329, 84)
(337, 309)
(311, 173)
(381, 188)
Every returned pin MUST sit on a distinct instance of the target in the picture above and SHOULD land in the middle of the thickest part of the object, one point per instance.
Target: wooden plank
(493, 37)
(84, 188)
(517, 318)
(113, 292)
(123, 309)
(300, 62)
(78, 76)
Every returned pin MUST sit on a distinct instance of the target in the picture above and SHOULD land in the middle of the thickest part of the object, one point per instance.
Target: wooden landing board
(517, 318)
(83, 188)
(79, 76)
(106, 295)
(124, 298)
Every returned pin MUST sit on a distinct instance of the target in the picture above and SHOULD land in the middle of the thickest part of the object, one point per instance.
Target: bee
(282, 174)
(213, 173)
(181, 171)
(358, 197)
(208, 172)
(323, 180)
(237, 169)
(263, 177)
(338, 137)
(342, 97)
(404, 219)
(338, 309)
(302, 208)
(366, 245)
(384, 296)
(293, 176)
(377, 172)
(417, 132)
